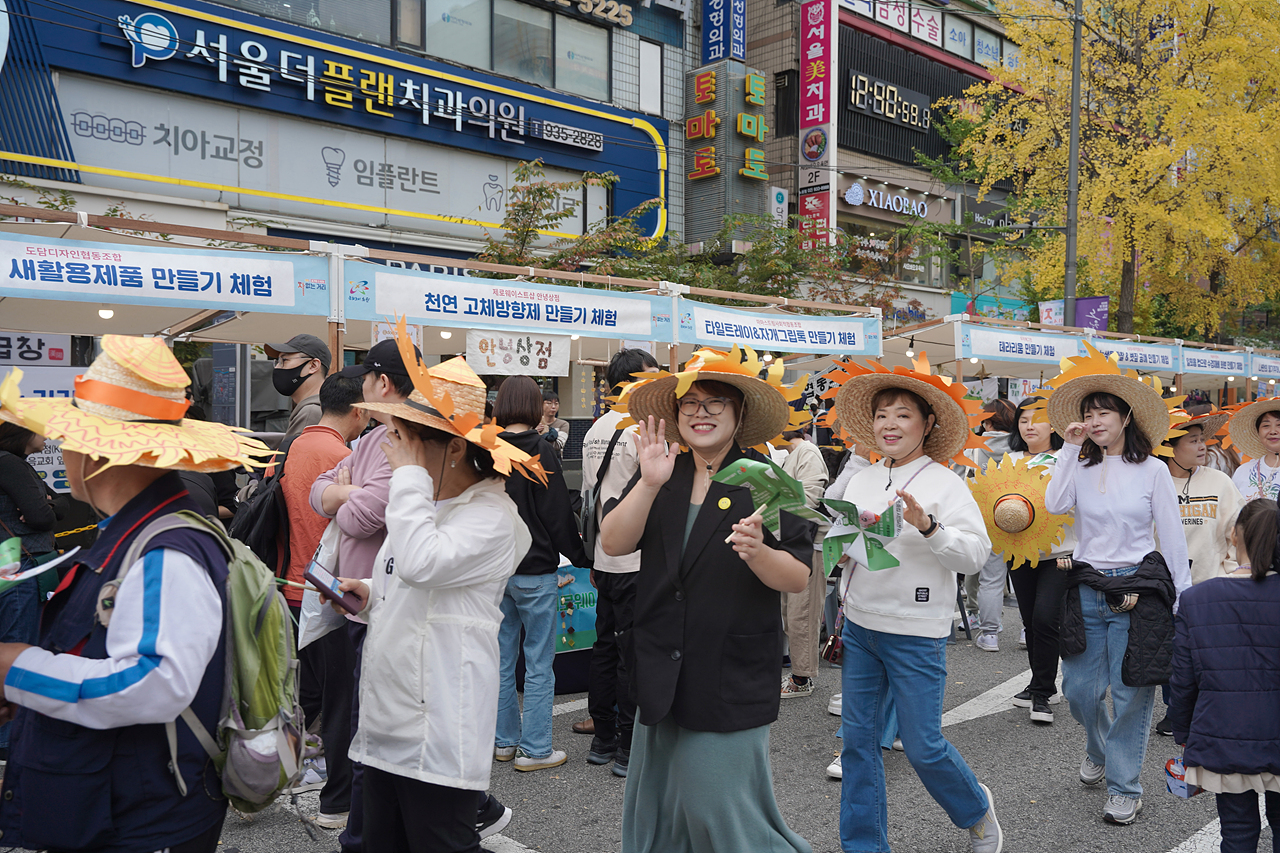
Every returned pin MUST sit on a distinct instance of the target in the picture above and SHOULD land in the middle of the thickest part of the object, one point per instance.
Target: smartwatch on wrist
(933, 525)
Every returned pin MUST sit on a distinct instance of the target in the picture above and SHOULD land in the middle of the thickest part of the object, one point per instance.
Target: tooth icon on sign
(493, 192)
(333, 160)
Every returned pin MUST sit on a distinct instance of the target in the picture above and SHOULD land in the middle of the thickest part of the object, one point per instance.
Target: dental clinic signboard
(221, 54)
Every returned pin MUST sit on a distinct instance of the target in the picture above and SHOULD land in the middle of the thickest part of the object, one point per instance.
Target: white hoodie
(429, 687)
(918, 597)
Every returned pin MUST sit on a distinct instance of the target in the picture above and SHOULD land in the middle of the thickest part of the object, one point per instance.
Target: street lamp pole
(1073, 172)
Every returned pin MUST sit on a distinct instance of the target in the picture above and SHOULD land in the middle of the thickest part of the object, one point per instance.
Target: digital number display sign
(887, 102)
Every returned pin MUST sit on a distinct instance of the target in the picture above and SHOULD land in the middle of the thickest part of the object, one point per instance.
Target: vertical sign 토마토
(725, 130)
(724, 30)
(819, 25)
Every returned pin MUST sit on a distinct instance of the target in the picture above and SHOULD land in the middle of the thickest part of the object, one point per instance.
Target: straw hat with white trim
(1244, 427)
(858, 386)
(129, 409)
(766, 408)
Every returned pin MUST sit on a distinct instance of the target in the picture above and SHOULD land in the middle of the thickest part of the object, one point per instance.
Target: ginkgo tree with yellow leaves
(1179, 173)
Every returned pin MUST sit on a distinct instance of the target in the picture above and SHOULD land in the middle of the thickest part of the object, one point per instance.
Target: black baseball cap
(308, 345)
(382, 357)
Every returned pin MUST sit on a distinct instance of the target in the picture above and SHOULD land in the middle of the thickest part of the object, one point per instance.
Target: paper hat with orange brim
(858, 384)
(1210, 423)
(450, 397)
(129, 409)
(766, 406)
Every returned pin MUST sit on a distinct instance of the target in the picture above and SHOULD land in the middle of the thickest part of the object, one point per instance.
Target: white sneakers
(987, 643)
(526, 762)
(834, 705)
(833, 769)
(986, 835)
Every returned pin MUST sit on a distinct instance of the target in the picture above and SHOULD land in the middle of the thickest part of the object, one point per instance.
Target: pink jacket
(362, 519)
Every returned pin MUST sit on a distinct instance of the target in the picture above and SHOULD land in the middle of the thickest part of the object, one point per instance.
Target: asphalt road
(1030, 768)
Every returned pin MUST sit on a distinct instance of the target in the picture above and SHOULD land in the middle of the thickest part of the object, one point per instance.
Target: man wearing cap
(128, 642)
(301, 367)
(354, 493)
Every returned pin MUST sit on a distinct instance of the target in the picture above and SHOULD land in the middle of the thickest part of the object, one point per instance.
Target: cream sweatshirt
(918, 597)
(1116, 503)
(1208, 502)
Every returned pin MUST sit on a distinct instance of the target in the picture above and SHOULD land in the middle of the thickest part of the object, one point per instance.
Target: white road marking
(993, 701)
(569, 707)
(1209, 839)
(502, 844)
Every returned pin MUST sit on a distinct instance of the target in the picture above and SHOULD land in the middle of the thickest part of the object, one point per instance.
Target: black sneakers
(1165, 727)
(602, 751)
(1040, 710)
(493, 819)
(620, 761)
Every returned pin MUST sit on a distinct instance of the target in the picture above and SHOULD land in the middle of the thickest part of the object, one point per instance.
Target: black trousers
(331, 669)
(610, 681)
(1041, 591)
(310, 671)
(1241, 825)
(351, 838)
(404, 815)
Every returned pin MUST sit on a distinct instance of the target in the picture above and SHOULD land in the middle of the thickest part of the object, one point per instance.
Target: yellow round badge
(725, 503)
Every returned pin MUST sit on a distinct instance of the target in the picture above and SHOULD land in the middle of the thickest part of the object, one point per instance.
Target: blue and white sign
(724, 30)
(227, 55)
(1214, 363)
(440, 300)
(1008, 345)
(39, 268)
(1145, 357)
(724, 327)
(1265, 367)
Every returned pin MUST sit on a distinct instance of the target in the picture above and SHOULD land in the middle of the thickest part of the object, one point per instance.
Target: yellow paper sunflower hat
(129, 409)
(766, 408)
(1210, 423)
(1094, 372)
(450, 397)
(1243, 428)
(1011, 497)
(857, 385)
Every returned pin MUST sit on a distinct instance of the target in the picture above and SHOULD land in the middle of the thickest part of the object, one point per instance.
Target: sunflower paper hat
(767, 410)
(450, 397)
(1011, 497)
(1243, 427)
(858, 384)
(129, 409)
(1210, 423)
(1094, 372)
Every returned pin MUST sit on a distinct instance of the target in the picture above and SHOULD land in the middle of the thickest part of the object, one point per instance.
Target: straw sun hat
(1244, 427)
(450, 397)
(766, 408)
(1210, 423)
(858, 386)
(1095, 372)
(129, 408)
(1011, 496)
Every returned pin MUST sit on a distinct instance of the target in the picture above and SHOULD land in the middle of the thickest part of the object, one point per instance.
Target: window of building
(522, 42)
(650, 77)
(582, 59)
(786, 103)
(409, 23)
(457, 30)
(365, 20)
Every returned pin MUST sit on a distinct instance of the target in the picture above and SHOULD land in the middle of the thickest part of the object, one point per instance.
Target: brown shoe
(585, 727)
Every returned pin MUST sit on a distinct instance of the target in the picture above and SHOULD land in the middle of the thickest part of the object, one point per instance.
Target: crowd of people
(445, 516)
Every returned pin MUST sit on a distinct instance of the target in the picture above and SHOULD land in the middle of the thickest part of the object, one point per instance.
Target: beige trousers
(801, 618)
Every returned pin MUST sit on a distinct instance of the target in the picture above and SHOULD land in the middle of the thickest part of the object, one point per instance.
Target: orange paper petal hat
(450, 397)
(767, 402)
(857, 385)
(129, 409)
(1211, 423)
(1094, 372)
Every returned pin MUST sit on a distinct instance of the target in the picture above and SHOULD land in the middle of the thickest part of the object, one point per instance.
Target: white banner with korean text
(724, 327)
(39, 268)
(439, 300)
(1011, 345)
(49, 382)
(1214, 363)
(494, 353)
(1266, 368)
(1144, 357)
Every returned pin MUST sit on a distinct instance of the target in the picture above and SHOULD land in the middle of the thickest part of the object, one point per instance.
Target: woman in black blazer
(707, 638)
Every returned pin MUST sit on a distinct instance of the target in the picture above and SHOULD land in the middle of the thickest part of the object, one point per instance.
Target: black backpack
(260, 519)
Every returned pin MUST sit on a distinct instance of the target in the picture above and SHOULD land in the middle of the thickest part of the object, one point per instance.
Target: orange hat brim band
(140, 403)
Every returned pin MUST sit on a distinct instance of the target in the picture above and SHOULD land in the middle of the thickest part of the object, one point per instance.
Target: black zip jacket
(1148, 658)
(545, 509)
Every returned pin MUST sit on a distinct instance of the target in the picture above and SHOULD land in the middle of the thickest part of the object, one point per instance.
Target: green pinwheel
(861, 534)
(772, 490)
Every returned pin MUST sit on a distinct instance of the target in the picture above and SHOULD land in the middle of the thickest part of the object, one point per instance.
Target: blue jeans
(20, 621)
(530, 600)
(1120, 742)
(913, 671)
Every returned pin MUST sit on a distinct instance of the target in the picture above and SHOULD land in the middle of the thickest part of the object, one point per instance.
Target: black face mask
(287, 379)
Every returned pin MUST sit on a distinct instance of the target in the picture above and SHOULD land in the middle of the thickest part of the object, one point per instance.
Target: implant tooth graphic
(333, 160)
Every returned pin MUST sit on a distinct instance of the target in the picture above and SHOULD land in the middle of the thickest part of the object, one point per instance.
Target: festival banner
(724, 327)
